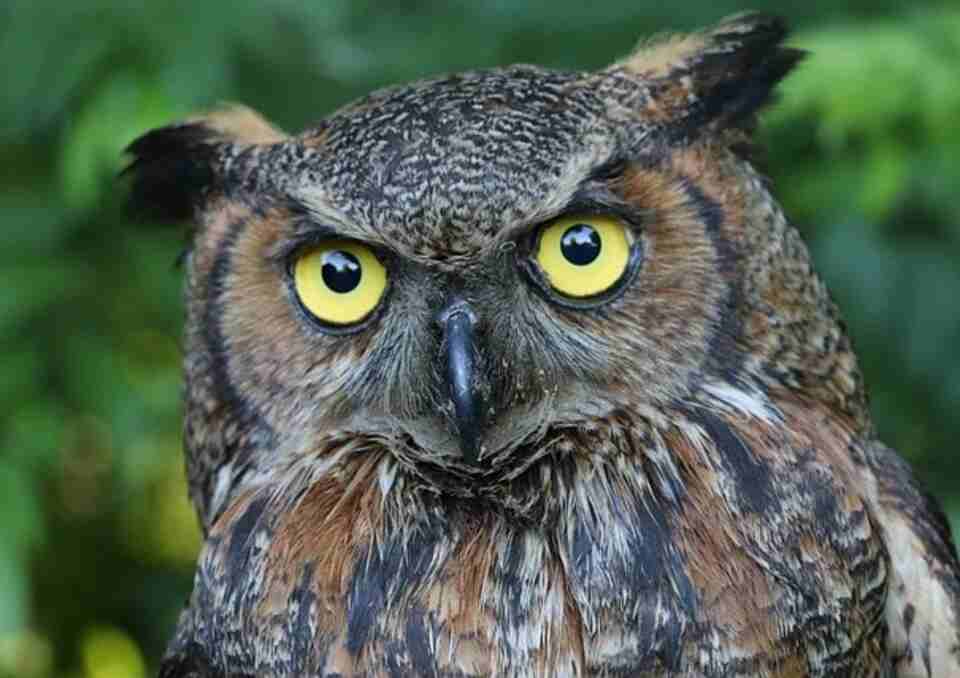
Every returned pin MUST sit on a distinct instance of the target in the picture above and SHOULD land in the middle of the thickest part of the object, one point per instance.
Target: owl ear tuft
(174, 169)
(718, 78)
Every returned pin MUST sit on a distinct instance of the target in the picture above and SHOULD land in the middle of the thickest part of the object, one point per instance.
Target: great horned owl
(524, 373)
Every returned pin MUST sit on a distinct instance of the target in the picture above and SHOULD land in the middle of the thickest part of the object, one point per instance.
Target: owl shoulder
(923, 603)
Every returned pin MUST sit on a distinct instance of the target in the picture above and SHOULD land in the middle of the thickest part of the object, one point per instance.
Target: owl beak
(458, 321)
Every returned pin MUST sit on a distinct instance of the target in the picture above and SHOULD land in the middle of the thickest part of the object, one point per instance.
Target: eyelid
(600, 205)
(282, 253)
(634, 219)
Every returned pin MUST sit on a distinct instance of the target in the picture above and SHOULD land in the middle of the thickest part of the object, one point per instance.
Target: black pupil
(580, 244)
(341, 271)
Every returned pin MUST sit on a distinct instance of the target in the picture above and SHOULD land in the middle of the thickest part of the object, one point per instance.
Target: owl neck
(735, 430)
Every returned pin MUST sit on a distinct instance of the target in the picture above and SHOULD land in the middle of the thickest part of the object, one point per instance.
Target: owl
(520, 372)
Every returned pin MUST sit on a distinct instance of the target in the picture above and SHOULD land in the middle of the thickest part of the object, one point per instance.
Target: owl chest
(794, 602)
(619, 589)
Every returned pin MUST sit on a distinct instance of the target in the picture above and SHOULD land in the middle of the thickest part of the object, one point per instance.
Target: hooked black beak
(458, 322)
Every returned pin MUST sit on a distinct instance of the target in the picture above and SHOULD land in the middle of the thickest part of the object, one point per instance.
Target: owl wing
(923, 603)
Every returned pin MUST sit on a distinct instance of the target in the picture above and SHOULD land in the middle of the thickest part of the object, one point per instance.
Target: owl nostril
(455, 306)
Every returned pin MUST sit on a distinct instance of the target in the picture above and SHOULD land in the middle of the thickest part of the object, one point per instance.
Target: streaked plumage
(679, 478)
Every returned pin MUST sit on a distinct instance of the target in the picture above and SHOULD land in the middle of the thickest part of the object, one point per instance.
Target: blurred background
(97, 541)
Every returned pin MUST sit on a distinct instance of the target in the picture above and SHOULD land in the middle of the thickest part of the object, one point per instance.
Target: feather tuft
(175, 168)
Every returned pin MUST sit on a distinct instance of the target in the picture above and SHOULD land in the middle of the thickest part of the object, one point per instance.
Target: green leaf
(116, 113)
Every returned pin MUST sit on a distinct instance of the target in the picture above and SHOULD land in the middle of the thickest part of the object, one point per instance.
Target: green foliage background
(97, 541)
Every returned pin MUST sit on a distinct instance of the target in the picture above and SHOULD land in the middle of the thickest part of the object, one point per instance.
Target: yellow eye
(584, 256)
(340, 281)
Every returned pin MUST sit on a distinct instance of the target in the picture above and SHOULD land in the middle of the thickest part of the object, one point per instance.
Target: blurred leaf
(20, 367)
(885, 172)
(116, 113)
(30, 288)
(13, 591)
(20, 532)
(110, 653)
(32, 223)
(25, 654)
(34, 433)
(161, 523)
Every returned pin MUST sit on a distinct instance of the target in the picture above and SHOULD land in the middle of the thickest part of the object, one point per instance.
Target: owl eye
(340, 282)
(584, 256)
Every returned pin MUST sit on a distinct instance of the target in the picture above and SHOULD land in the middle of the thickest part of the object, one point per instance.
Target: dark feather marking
(367, 599)
(234, 405)
(203, 605)
(238, 553)
(393, 659)
(667, 483)
(925, 654)
(304, 597)
(192, 662)
(725, 357)
(172, 168)
(508, 573)
(213, 334)
(710, 212)
(754, 478)
(418, 643)
(909, 613)
(735, 76)
(647, 568)
(609, 170)
(649, 536)
(237, 563)
(391, 568)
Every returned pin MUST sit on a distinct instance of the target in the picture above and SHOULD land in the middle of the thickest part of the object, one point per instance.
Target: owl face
(457, 269)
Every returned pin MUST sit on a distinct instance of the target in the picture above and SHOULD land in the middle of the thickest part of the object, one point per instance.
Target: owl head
(449, 273)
